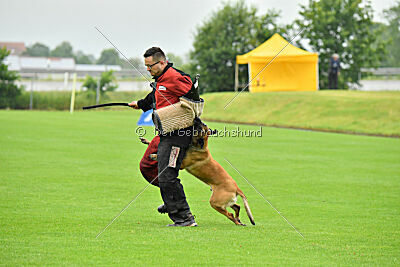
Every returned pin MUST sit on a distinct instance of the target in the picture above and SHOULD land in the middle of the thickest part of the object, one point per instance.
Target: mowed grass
(64, 177)
(328, 110)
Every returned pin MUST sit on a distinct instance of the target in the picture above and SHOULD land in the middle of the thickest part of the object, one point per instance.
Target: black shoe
(190, 222)
(183, 224)
(162, 209)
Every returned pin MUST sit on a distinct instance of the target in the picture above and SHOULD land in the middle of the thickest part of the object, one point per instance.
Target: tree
(63, 50)
(37, 50)
(82, 58)
(233, 30)
(181, 62)
(344, 27)
(108, 82)
(109, 57)
(392, 32)
(8, 89)
(135, 61)
(90, 83)
(177, 60)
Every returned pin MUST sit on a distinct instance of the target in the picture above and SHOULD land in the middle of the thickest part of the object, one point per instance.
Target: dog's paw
(239, 222)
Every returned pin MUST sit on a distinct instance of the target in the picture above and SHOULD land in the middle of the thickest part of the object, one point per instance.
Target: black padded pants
(171, 152)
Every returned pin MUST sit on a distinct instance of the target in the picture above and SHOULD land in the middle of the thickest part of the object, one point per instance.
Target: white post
(71, 108)
(248, 66)
(79, 87)
(98, 93)
(317, 75)
(236, 77)
(31, 95)
(66, 78)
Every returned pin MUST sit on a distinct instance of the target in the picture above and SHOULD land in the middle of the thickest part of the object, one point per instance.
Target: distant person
(334, 71)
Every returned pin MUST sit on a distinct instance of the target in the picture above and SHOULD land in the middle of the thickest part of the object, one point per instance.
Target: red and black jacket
(171, 85)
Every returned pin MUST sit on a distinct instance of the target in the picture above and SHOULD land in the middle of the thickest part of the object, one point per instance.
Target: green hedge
(60, 100)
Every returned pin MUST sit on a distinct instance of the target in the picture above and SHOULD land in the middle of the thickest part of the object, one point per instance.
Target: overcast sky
(132, 25)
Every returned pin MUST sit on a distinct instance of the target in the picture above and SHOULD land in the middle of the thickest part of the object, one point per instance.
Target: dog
(199, 162)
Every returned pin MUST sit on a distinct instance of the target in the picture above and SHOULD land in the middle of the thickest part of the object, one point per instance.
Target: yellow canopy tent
(294, 69)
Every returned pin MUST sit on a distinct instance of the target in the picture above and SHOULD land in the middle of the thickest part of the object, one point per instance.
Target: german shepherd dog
(199, 162)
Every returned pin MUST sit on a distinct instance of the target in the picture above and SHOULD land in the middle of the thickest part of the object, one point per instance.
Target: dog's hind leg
(226, 213)
(236, 208)
(219, 201)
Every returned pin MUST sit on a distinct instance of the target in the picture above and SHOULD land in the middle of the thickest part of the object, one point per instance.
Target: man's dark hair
(156, 52)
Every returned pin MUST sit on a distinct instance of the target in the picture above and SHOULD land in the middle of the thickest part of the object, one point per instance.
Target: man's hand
(134, 105)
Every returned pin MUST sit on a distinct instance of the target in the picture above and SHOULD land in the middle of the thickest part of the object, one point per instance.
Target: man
(334, 71)
(170, 85)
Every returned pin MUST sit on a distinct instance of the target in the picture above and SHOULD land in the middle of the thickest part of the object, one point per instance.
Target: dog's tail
(246, 206)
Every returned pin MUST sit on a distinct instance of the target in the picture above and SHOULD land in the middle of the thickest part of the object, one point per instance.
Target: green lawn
(373, 113)
(329, 110)
(64, 177)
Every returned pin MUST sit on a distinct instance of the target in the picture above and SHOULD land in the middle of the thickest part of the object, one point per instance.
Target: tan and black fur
(199, 162)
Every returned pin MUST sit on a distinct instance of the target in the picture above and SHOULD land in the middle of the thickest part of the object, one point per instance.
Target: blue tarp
(145, 119)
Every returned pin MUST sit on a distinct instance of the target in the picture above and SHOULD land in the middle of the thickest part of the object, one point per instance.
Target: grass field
(374, 113)
(329, 110)
(64, 177)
